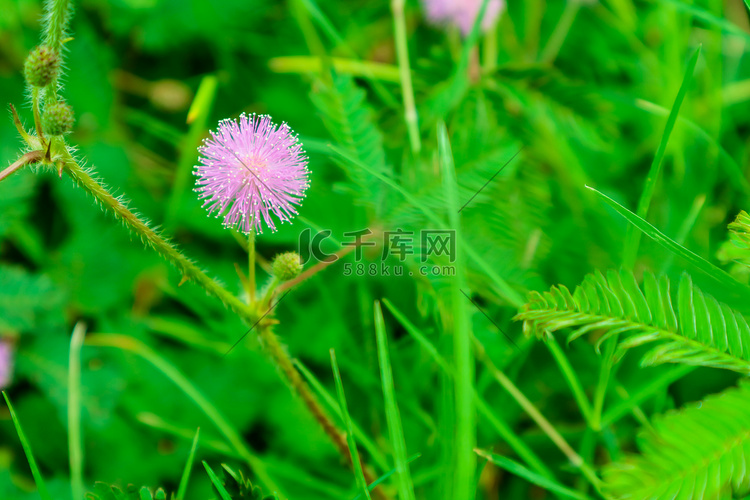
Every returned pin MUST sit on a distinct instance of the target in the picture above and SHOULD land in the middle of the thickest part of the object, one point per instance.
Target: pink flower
(462, 13)
(250, 169)
(6, 364)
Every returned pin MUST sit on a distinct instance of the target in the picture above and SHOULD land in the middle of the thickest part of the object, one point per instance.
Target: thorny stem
(27, 159)
(191, 272)
(37, 117)
(286, 365)
(57, 14)
(402, 51)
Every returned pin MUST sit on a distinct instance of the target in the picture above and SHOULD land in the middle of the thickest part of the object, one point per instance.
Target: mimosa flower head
(251, 170)
(462, 13)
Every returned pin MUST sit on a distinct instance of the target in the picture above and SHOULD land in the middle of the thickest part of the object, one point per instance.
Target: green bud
(41, 66)
(57, 118)
(287, 266)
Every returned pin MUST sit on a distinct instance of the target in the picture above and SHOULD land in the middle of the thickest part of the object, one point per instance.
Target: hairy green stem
(251, 266)
(37, 116)
(57, 14)
(27, 159)
(191, 272)
(402, 52)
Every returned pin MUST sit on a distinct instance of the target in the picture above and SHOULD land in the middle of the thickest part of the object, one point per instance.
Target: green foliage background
(589, 110)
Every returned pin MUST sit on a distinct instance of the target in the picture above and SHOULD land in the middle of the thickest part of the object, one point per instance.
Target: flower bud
(287, 266)
(57, 118)
(41, 66)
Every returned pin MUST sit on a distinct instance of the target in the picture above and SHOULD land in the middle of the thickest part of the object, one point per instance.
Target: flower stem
(149, 236)
(191, 272)
(57, 16)
(272, 345)
(402, 51)
(27, 159)
(251, 266)
(37, 116)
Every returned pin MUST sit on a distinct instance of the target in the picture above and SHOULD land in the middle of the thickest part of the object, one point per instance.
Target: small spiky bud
(41, 66)
(287, 266)
(57, 118)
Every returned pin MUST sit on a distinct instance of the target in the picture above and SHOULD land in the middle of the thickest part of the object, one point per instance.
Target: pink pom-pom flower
(251, 170)
(462, 13)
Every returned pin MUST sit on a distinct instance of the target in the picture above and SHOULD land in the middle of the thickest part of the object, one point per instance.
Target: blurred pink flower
(6, 363)
(462, 13)
(251, 169)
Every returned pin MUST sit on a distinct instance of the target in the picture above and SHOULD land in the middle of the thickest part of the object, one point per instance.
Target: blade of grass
(217, 482)
(695, 260)
(387, 475)
(75, 440)
(458, 316)
(506, 383)
(396, 432)
(38, 479)
(514, 442)
(191, 391)
(359, 435)
(182, 489)
(358, 472)
(328, 28)
(619, 410)
(570, 376)
(407, 90)
(198, 120)
(730, 165)
(633, 237)
(519, 470)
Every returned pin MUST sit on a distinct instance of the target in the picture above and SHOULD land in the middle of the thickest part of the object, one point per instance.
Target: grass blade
(395, 430)
(633, 237)
(182, 489)
(75, 439)
(694, 259)
(217, 482)
(358, 472)
(387, 475)
(359, 434)
(505, 432)
(186, 386)
(519, 470)
(464, 483)
(38, 479)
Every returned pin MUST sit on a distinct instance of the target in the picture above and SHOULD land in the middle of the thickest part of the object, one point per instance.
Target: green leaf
(349, 120)
(393, 417)
(698, 452)
(695, 260)
(354, 454)
(699, 331)
(188, 466)
(633, 238)
(38, 479)
(217, 482)
(519, 470)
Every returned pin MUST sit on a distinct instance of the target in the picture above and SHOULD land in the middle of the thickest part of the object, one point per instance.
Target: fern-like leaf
(349, 120)
(700, 331)
(739, 231)
(675, 463)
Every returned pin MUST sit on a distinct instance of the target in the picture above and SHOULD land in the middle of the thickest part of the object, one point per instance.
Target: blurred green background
(581, 88)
